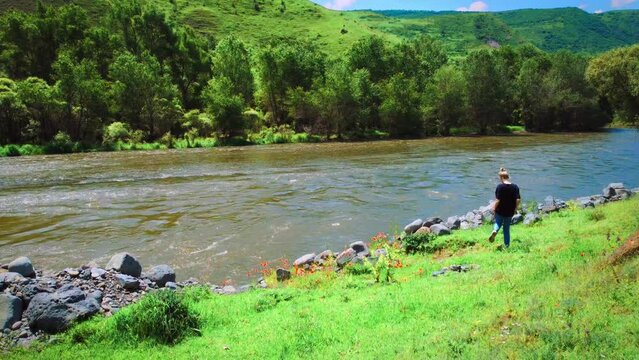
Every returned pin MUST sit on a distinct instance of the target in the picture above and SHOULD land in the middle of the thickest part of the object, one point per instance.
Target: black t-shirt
(507, 194)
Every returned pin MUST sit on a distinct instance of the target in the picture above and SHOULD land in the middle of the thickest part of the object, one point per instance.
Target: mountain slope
(260, 21)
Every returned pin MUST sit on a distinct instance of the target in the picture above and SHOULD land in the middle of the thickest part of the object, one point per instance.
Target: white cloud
(339, 4)
(583, 6)
(477, 6)
(621, 3)
(599, 11)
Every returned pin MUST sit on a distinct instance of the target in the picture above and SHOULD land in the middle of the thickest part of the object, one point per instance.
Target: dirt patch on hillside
(627, 250)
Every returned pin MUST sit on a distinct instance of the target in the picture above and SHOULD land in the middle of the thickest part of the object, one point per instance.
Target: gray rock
(55, 312)
(465, 225)
(228, 290)
(517, 218)
(305, 260)
(599, 200)
(623, 194)
(10, 278)
(439, 229)
(531, 218)
(126, 264)
(262, 283)
(282, 274)
(128, 282)
(161, 274)
(432, 221)
(414, 226)
(97, 295)
(323, 256)
(585, 202)
(550, 205)
(380, 252)
(345, 257)
(97, 273)
(487, 215)
(171, 285)
(22, 266)
(10, 310)
(72, 272)
(30, 290)
(453, 222)
(361, 249)
(423, 230)
(244, 288)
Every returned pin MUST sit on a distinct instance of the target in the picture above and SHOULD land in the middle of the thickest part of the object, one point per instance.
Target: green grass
(551, 295)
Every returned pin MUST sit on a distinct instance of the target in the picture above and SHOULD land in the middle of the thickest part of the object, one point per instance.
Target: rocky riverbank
(35, 303)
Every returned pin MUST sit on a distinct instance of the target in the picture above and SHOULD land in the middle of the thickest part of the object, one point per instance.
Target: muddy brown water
(216, 214)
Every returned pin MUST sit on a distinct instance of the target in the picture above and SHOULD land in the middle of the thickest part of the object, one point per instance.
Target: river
(215, 214)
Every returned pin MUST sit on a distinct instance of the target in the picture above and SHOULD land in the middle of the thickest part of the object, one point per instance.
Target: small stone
(414, 226)
(531, 218)
(282, 274)
(439, 273)
(323, 256)
(453, 222)
(171, 285)
(10, 278)
(22, 266)
(17, 325)
(380, 252)
(72, 272)
(97, 273)
(305, 260)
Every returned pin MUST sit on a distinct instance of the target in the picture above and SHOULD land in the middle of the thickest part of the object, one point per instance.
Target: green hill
(259, 21)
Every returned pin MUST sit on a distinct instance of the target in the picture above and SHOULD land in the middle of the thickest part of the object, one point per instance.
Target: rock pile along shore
(33, 304)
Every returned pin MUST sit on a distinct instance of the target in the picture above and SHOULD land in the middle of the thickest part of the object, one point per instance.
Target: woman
(508, 201)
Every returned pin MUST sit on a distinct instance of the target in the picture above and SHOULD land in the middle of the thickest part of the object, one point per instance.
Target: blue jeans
(505, 222)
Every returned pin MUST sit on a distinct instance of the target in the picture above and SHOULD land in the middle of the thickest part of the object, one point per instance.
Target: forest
(138, 76)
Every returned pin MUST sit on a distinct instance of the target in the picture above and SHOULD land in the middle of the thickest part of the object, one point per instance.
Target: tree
(485, 89)
(446, 100)
(286, 66)
(231, 59)
(225, 106)
(372, 54)
(615, 75)
(337, 104)
(13, 114)
(45, 108)
(144, 96)
(419, 59)
(401, 107)
(85, 95)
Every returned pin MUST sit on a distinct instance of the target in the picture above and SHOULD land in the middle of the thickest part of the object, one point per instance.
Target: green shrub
(596, 215)
(12, 150)
(29, 149)
(61, 144)
(163, 316)
(417, 243)
(115, 132)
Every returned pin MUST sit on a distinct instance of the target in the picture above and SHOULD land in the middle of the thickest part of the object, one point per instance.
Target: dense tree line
(137, 75)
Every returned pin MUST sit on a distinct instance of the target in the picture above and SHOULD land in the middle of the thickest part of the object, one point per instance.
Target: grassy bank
(551, 295)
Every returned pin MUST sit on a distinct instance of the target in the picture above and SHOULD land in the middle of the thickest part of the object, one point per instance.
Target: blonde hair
(503, 173)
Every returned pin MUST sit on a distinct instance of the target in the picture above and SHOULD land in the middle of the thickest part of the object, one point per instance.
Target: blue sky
(483, 5)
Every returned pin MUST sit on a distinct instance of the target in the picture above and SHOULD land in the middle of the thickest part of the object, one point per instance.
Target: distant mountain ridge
(260, 21)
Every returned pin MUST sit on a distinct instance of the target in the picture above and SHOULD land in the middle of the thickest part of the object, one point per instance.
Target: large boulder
(439, 229)
(414, 226)
(432, 221)
(8, 278)
(323, 256)
(585, 202)
(531, 218)
(10, 310)
(361, 249)
(345, 257)
(128, 282)
(125, 263)
(487, 214)
(613, 189)
(282, 274)
(305, 260)
(423, 230)
(161, 274)
(55, 312)
(453, 222)
(22, 266)
(517, 218)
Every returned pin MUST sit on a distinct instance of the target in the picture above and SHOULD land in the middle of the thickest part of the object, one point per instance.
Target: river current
(215, 214)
